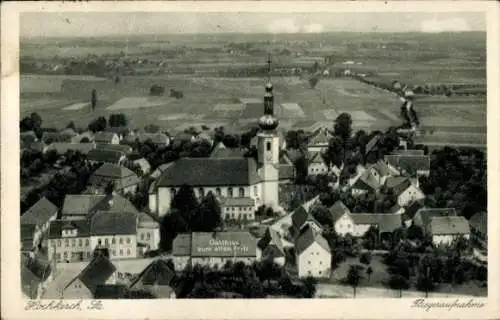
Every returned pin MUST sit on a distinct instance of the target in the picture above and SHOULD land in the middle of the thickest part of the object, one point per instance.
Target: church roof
(210, 172)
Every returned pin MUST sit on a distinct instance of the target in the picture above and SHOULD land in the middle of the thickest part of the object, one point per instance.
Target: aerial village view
(295, 160)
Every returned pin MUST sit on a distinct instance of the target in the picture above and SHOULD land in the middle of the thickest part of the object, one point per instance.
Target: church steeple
(268, 122)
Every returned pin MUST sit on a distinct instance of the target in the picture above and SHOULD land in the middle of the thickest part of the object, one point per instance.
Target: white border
(12, 306)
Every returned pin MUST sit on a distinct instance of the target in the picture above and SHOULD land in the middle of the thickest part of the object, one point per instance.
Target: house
(411, 165)
(82, 206)
(319, 140)
(75, 240)
(99, 271)
(35, 275)
(405, 191)
(40, 215)
(51, 137)
(383, 222)
(61, 148)
(369, 181)
(214, 248)
(159, 139)
(270, 247)
(342, 223)
(479, 228)
(445, 230)
(103, 137)
(148, 232)
(313, 254)
(106, 156)
(422, 216)
(143, 164)
(123, 179)
(300, 218)
(315, 164)
(30, 283)
(86, 137)
(27, 138)
(410, 212)
(286, 173)
(383, 171)
(157, 278)
(30, 237)
(121, 131)
(237, 208)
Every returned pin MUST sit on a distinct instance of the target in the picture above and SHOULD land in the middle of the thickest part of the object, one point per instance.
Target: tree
(117, 120)
(36, 120)
(208, 216)
(98, 124)
(185, 202)
(353, 278)
(152, 128)
(369, 272)
(331, 156)
(71, 125)
(343, 129)
(313, 82)
(309, 287)
(157, 90)
(365, 258)
(93, 99)
(398, 282)
(322, 214)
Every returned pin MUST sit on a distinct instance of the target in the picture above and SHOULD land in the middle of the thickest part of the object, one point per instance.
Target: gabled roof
(337, 210)
(372, 143)
(104, 136)
(227, 153)
(110, 291)
(56, 227)
(299, 217)
(159, 170)
(271, 238)
(156, 138)
(69, 131)
(408, 152)
(449, 225)
(413, 208)
(286, 172)
(315, 157)
(105, 155)
(383, 169)
(181, 246)
(210, 172)
(320, 137)
(158, 273)
(113, 223)
(123, 130)
(27, 232)
(410, 163)
(39, 213)
(50, 137)
(366, 181)
(63, 147)
(84, 204)
(427, 213)
(479, 221)
(116, 147)
(143, 164)
(307, 238)
(397, 185)
(121, 176)
(386, 222)
(97, 272)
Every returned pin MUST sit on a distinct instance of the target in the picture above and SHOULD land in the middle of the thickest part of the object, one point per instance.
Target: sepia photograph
(218, 154)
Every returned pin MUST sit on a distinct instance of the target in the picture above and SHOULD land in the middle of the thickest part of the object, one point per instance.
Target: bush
(157, 90)
(365, 258)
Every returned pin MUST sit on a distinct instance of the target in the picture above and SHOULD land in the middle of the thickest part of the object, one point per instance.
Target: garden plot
(173, 117)
(138, 102)
(292, 109)
(330, 114)
(221, 107)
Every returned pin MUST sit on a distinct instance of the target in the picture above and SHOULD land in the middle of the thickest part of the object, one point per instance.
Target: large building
(233, 177)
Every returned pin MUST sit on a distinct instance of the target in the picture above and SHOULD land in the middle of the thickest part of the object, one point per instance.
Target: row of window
(218, 192)
(240, 208)
(317, 169)
(148, 236)
(87, 241)
(235, 216)
(67, 255)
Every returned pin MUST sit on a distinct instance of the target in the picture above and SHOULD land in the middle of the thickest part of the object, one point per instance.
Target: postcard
(247, 160)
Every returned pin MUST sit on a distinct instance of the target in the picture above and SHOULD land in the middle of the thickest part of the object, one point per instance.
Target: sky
(93, 24)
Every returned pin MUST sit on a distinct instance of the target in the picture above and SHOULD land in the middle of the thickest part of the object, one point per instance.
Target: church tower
(268, 147)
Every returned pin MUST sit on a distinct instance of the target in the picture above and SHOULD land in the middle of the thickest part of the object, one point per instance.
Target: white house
(318, 142)
(313, 255)
(315, 164)
(405, 191)
(445, 230)
(104, 137)
(148, 233)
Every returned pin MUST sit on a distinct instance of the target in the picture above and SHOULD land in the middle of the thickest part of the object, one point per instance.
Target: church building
(235, 177)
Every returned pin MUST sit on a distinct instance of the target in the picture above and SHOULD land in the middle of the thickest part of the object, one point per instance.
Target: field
(223, 100)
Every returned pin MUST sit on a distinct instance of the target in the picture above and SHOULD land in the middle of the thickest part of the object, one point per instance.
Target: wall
(154, 237)
(77, 290)
(315, 261)
(232, 212)
(316, 168)
(344, 225)
(409, 195)
(317, 148)
(220, 261)
(358, 192)
(446, 239)
(117, 250)
(360, 229)
(180, 262)
(72, 247)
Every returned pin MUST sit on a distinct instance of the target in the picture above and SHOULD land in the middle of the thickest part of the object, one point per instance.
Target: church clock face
(269, 156)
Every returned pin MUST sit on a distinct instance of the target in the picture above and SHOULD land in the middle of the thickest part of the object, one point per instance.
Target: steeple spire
(268, 122)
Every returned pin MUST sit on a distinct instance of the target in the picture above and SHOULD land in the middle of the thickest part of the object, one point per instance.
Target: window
(348, 225)
(309, 262)
(121, 252)
(128, 252)
(88, 254)
(142, 236)
(121, 241)
(230, 192)
(255, 190)
(87, 242)
(172, 192)
(217, 192)
(58, 256)
(66, 243)
(99, 242)
(113, 240)
(340, 225)
(114, 252)
(65, 255)
(128, 240)
(321, 262)
(106, 241)
(241, 192)
(202, 192)
(148, 236)
(80, 242)
(59, 242)
(268, 146)
(320, 272)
